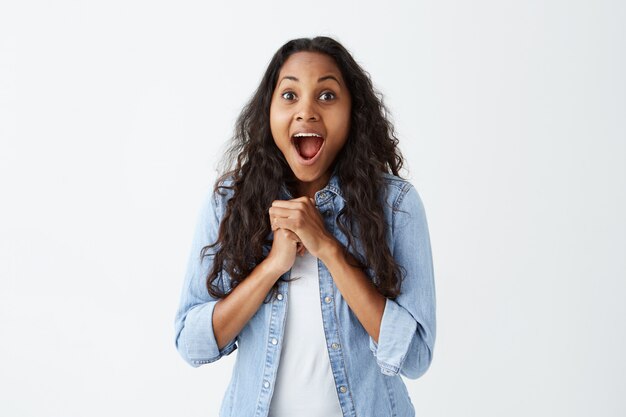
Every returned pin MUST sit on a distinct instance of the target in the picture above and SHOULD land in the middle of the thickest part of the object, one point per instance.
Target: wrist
(268, 270)
(331, 250)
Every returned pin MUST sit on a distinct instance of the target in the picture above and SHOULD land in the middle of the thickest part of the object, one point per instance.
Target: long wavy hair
(260, 169)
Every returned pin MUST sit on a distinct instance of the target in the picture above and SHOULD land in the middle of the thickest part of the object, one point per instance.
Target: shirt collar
(333, 186)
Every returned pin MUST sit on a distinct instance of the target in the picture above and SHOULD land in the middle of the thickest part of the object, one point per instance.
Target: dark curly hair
(260, 169)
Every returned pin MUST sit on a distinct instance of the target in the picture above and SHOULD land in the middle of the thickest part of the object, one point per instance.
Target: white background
(511, 116)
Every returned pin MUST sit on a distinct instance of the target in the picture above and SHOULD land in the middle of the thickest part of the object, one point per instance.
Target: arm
(408, 327)
(206, 327)
(233, 312)
(356, 288)
(402, 331)
(194, 336)
(302, 217)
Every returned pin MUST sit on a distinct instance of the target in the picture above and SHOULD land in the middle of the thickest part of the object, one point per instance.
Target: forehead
(309, 63)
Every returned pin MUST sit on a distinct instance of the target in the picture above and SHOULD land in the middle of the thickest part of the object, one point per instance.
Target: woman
(312, 256)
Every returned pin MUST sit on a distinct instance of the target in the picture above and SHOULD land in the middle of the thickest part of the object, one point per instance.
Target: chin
(305, 174)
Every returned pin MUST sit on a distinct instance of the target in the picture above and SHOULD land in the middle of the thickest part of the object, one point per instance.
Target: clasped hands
(300, 222)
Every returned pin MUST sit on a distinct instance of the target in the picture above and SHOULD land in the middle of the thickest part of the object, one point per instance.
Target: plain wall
(511, 116)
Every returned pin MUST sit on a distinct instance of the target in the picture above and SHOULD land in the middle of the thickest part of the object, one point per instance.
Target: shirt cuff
(201, 344)
(397, 330)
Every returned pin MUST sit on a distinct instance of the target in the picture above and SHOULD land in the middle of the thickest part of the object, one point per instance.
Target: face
(310, 117)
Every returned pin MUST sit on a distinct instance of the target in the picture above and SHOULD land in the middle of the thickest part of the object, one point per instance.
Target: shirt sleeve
(407, 333)
(193, 324)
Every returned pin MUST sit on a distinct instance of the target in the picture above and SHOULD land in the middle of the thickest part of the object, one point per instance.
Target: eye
(288, 95)
(327, 96)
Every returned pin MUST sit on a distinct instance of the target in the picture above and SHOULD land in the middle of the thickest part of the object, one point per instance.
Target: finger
(281, 212)
(301, 248)
(294, 237)
(297, 203)
(275, 221)
(284, 223)
(287, 226)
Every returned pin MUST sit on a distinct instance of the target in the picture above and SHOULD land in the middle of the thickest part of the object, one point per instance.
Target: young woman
(312, 256)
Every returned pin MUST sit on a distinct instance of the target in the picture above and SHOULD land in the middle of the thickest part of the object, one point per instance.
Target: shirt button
(328, 299)
(280, 297)
(266, 384)
(274, 341)
(342, 389)
(335, 345)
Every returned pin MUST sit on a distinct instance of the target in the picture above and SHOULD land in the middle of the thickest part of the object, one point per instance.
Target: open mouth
(308, 145)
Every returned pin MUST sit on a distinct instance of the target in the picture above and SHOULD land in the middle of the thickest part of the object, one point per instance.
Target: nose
(306, 111)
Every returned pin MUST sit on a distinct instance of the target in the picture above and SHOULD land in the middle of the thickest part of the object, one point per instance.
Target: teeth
(302, 135)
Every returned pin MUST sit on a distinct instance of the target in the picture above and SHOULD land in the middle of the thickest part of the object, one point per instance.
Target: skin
(310, 95)
(325, 107)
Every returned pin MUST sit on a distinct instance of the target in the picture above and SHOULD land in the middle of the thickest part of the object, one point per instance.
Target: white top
(305, 386)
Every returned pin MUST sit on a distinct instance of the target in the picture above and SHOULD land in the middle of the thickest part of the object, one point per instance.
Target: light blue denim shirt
(367, 374)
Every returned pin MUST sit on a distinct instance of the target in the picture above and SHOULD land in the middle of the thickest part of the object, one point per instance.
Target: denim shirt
(367, 374)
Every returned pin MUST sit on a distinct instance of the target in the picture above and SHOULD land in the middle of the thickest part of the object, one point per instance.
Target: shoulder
(400, 192)
(224, 188)
(217, 195)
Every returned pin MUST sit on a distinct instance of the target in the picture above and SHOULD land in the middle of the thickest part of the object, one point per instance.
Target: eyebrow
(319, 80)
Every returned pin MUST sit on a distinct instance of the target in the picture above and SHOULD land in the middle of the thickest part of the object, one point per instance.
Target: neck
(309, 189)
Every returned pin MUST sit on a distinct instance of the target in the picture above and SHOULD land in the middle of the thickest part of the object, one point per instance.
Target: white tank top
(305, 386)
